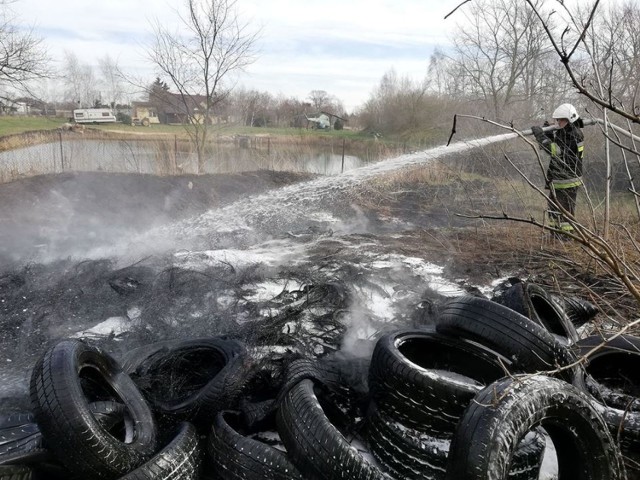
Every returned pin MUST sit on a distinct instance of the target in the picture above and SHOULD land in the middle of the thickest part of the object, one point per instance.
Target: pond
(171, 157)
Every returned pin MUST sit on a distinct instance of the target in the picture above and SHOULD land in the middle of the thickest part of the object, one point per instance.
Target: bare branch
(453, 11)
(198, 63)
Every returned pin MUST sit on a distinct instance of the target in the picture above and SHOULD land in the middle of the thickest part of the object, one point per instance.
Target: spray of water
(203, 273)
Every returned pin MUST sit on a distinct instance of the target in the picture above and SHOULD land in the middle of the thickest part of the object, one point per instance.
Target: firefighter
(565, 145)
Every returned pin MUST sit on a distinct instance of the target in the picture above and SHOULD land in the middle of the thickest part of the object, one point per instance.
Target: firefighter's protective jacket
(566, 147)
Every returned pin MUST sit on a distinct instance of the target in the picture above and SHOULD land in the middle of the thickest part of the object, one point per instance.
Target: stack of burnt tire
(96, 418)
(480, 395)
(148, 416)
(186, 409)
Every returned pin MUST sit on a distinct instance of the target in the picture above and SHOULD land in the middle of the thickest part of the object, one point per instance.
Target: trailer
(94, 115)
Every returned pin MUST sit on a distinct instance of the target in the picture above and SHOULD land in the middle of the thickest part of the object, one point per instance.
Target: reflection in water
(164, 157)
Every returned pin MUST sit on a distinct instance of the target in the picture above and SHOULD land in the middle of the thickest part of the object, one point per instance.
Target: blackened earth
(337, 294)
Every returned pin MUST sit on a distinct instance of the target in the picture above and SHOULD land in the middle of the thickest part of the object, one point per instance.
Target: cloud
(333, 45)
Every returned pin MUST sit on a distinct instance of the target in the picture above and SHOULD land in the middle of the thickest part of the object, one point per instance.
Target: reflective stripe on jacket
(567, 152)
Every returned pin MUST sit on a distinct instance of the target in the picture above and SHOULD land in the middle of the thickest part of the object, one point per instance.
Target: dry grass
(486, 249)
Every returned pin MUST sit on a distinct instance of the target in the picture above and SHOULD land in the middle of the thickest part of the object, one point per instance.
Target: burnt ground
(64, 213)
(47, 294)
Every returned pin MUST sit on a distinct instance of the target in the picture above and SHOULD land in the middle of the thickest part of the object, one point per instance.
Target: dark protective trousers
(567, 198)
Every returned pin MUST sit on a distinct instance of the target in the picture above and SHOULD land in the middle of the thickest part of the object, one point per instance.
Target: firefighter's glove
(539, 134)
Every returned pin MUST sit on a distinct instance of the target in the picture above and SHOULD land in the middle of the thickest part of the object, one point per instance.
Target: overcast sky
(341, 46)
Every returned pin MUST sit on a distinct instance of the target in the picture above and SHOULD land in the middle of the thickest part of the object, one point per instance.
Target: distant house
(144, 113)
(172, 108)
(23, 106)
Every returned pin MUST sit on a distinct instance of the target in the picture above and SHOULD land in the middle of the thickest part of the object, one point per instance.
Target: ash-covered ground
(285, 262)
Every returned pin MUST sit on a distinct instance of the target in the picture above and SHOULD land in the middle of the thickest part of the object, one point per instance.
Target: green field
(18, 124)
(10, 125)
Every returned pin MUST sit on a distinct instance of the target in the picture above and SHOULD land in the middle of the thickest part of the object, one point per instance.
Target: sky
(341, 46)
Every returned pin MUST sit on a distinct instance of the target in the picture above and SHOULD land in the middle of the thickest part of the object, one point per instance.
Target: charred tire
(179, 460)
(409, 378)
(535, 303)
(237, 457)
(578, 310)
(625, 429)
(613, 369)
(191, 379)
(315, 446)
(337, 383)
(58, 396)
(506, 410)
(403, 452)
(530, 347)
(111, 415)
(306, 368)
(408, 453)
(613, 380)
(16, 472)
(20, 440)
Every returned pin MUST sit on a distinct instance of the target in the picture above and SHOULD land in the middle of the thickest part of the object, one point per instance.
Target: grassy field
(18, 124)
(10, 125)
(230, 130)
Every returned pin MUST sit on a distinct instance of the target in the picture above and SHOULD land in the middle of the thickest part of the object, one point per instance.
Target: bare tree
(321, 100)
(404, 107)
(23, 56)
(567, 47)
(500, 56)
(111, 81)
(80, 82)
(597, 57)
(198, 60)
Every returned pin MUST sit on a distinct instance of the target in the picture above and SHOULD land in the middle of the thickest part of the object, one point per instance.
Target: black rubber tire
(191, 379)
(308, 368)
(537, 304)
(62, 411)
(625, 429)
(578, 310)
(342, 379)
(16, 472)
(21, 441)
(504, 411)
(613, 380)
(315, 446)
(613, 369)
(402, 455)
(111, 415)
(179, 460)
(529, 346)
(139, 359)
(411, 454)
(409, 383)
(238, 457)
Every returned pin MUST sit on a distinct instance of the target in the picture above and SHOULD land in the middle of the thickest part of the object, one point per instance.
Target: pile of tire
(479, 395)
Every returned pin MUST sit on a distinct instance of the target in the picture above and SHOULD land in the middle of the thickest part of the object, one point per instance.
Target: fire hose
(586, 122)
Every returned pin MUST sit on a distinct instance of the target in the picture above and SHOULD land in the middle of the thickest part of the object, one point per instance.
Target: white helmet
(566, 110)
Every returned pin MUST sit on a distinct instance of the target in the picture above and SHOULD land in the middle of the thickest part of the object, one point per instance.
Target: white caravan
(94, 115)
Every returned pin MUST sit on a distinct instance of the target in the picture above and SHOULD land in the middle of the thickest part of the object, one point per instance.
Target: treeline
(502, 65)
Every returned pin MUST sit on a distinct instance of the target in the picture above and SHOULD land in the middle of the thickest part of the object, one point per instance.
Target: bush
(338, 124)
(123, 118)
